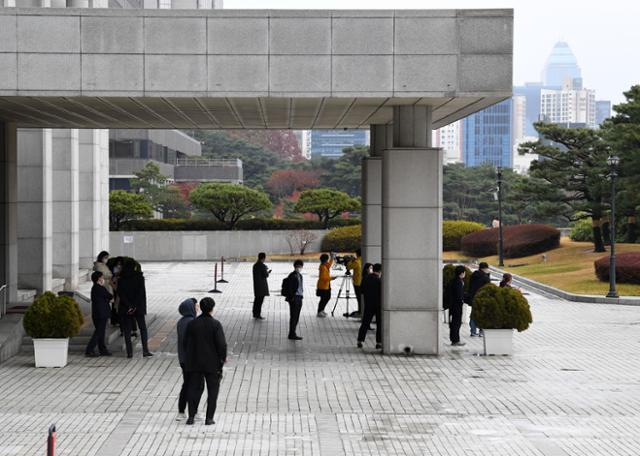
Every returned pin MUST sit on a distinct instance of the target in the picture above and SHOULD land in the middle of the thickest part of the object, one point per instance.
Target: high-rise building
(449, 138)
(561, 64)
(519, 105)
(603, 111)
(572, 104)
(331, 143)
(487, 136)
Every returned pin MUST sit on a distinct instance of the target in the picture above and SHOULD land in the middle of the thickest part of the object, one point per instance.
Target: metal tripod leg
(337, 297)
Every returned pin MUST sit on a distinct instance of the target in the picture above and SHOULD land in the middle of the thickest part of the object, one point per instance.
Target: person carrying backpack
(293, 291)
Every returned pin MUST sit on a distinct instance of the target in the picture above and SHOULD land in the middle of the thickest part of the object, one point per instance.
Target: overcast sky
(604, 35)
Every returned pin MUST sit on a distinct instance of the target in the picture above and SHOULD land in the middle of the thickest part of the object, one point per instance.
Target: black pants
(455, 320)
(184, 391)
(126, 324)
(196, 388)
(369, 313)
(295, 307)
(325, 297)
(257, 306)
(358, 290)
(98, 336)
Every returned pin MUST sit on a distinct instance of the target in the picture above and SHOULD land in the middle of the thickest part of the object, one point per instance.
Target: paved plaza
(572, 388)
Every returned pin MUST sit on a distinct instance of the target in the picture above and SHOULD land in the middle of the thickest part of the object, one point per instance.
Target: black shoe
(129, 355)
(378, 346)
(209, 422)
(259, 317)
(190, 421)
(91, 355)
(134, 334)
(295, 338)
(147, 354)
(107, 353)
(359, 344)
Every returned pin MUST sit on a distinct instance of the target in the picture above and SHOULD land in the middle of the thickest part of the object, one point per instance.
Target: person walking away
(456, 301)
(206, 353)
(260, 285)
(133, 304)
(294, 294)
(372, 292)
(355, 265)
(100, 312)
(479, 278)
(189, 310)
(323, 287)
(506, 280)
(101, 265)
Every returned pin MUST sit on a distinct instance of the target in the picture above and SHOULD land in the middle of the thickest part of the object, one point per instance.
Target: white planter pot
(51, 352)
(498, 341)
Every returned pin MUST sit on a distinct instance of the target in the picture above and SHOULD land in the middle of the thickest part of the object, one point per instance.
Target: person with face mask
(372, 291)
(189, 310)
(294, 293)
(100, 311)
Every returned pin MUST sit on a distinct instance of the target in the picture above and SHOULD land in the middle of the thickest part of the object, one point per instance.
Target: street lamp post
(613, 161)
(500, 239)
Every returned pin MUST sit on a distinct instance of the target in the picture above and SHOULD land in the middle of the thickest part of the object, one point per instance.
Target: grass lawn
(569, 268)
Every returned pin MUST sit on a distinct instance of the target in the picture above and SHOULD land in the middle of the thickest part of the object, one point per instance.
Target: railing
(3, 291)
(226, 163)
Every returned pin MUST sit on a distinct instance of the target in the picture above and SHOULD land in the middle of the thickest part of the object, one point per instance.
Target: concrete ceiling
(224, 112)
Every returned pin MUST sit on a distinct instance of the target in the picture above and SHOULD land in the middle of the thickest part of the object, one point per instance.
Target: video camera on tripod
(345, 259)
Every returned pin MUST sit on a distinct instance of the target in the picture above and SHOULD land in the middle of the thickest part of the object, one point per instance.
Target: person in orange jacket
(323, 289)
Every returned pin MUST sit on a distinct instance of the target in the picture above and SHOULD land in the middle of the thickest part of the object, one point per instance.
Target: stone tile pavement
(572, 388)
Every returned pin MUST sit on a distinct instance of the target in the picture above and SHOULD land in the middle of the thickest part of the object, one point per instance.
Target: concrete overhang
(108, 68)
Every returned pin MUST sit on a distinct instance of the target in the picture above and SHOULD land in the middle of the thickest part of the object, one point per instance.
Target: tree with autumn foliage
(285, 182)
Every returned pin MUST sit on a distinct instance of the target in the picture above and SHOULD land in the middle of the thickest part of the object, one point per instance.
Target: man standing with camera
(260, 285)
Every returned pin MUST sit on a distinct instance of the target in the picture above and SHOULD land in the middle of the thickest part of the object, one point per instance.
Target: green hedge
(345, 239)
(255, 224)
(501, 308)
(582, 230)
(454, 230)
(52, 316)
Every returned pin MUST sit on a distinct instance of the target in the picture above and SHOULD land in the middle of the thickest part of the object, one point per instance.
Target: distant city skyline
(601, 35)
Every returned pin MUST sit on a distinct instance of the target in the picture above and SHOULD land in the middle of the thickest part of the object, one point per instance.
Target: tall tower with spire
(561, 66)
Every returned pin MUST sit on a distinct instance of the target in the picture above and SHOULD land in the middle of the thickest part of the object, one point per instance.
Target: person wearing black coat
(100, 314)
(372, 292)
(479, 279)
(133, 305)
(294, 296)
(206, 350)
(456, 301)
(260, 285)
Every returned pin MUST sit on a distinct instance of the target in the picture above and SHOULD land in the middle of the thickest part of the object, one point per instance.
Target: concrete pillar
(90, 161)
(65, 207)
(381, 136)
(35, 191)
(8, 211)
(104, 192)
(411, 236)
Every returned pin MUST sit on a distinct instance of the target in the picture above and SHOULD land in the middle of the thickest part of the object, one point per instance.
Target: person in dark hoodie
(479, 279)
(188, 309)
(133, 304)
(100, 313)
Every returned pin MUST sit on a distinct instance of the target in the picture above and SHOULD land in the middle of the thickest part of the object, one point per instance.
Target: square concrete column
(8, 211)
(104, 189)
(35, 204)
(66, 207)
(90, 162)
(411, 236)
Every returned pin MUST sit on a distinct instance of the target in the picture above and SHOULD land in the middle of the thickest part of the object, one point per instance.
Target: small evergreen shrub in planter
(345, 239)
(519, 241)
(627, 268)
(448, 273)
(50, 321)
(454, 230)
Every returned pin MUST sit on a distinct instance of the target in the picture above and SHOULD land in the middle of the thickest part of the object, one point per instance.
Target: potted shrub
(498, 311)
(50, 321)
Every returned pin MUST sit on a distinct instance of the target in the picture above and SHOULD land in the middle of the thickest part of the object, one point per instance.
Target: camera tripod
(345, 285)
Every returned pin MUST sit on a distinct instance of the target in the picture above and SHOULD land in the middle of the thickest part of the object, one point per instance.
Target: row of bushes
(454, 230)
(519, 241)
(255, 224)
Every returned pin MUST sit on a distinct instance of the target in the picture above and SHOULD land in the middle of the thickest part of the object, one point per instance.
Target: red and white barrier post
(51, 441)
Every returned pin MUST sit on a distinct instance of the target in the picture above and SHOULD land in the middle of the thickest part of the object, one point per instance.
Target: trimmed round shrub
(345, 239)
(454, 230)
(581, 231)
(448, 274)
(519, 241)
(501, 308)
(52, 316)
(627, 268)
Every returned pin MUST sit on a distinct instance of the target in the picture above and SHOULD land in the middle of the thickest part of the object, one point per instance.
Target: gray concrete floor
(572, 388)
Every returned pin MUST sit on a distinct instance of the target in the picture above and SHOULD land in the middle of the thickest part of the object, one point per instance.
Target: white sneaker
(322, 314)
(181, 417)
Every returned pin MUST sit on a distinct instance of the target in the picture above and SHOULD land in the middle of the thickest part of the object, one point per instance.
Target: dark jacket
(260, 274)
(133, 294)
(456, 295)
(205, 345)
(294, 283)
(187, 309)
(372, 291)
(478, 280)
(100, 298)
